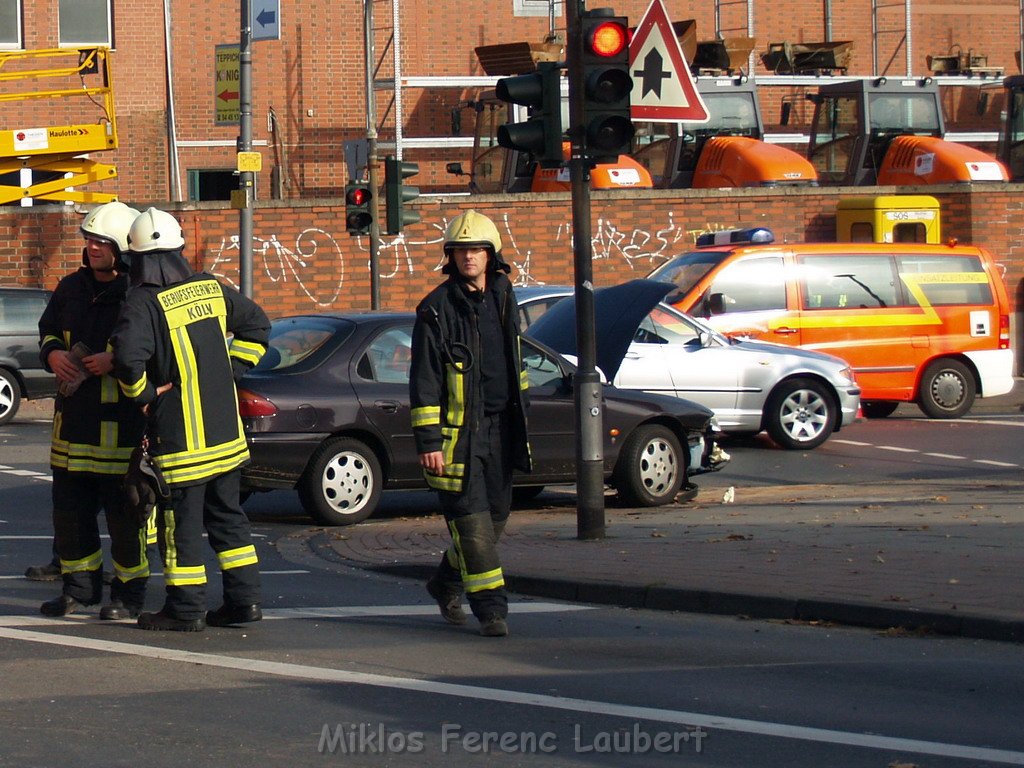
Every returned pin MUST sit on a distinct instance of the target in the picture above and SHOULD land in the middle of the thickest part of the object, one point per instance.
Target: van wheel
(10, 396)
(800, 415)
(879, 409)
(947, 390)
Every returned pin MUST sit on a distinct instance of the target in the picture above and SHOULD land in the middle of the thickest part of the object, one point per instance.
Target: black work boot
(450, 602)
(117, 609)
(48, 572)
(163, 621)
(495, 626)
(61, 605)
(229, 615)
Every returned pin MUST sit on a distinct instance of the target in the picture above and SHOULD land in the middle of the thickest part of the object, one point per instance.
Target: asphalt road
(356, 667)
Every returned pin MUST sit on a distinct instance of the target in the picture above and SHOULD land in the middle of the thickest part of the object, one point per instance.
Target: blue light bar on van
(727, 236)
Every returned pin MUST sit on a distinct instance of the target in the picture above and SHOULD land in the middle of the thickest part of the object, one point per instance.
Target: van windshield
(687, 270)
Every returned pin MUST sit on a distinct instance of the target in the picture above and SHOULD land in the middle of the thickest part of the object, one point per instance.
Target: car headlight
(848, 373)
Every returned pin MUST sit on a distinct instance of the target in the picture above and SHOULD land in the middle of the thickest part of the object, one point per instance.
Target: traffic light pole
(371, 157)
(246, 179)
(589, 414)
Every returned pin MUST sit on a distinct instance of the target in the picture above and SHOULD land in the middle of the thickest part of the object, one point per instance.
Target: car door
(381, 382)
(550, 419)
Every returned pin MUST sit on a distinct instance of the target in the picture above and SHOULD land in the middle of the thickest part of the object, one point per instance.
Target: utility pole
(246, 178)
(587, 382)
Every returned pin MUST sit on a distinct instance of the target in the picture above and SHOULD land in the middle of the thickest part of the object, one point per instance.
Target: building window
(85, 22)
(10, 24)
(211, 184)
(537, 7)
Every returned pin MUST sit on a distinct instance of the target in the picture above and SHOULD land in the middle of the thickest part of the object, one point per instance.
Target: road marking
(10, 628)
(354, 612)
(951, 456)
(993, 463)
(992, 422)
(293, 572)
(946, 456)
(896, 448)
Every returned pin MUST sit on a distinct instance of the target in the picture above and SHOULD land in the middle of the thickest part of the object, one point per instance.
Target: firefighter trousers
(215, 507)
(78, 498)
(476, 519)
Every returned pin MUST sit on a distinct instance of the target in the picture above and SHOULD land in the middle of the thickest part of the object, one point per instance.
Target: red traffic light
(608, 39)
(358, 196)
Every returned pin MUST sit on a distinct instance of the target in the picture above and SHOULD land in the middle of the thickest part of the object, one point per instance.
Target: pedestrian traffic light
(358, 217)
(607, 85)
(541, 134)
(397, 194)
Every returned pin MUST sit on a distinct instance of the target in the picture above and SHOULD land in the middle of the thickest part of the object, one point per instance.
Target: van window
(837, 282)
(752, 285)
(947, 280)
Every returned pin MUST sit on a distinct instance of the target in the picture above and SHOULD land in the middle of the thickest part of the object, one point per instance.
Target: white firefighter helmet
(110, 222)
(471, 229)
(155, 230)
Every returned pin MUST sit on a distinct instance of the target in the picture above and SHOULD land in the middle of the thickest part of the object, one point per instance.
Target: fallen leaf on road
(738, 537)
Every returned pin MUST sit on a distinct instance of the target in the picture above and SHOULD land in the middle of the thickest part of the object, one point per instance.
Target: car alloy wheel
(801, 414)
(10, 396)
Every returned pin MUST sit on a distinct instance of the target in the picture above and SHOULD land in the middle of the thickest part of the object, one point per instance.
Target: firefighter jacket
(444, 384)
(96, 427)
(175, 330)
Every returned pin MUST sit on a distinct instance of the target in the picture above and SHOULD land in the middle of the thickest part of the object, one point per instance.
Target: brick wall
(312, 78)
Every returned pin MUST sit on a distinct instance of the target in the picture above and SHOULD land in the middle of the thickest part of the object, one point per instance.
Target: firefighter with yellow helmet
(171, 358)
(95, 427)
(468, 392)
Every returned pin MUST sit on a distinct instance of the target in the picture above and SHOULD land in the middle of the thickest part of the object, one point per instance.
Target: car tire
(651, 467)
(801, 414)
(10, 396)
(878, 409)
(947, 390)
(342, 482)
(524, 494)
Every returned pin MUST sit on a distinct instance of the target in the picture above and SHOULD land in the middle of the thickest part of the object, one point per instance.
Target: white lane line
(160, 573)
(522, 698)
(897, 448)
(946, 456)
(24, 473)
(857, 443)
(994, 463)
(992, 422)
(362, 611)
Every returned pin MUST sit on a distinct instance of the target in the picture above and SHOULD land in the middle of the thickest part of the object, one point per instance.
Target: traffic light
(541, 134)
(358, 217)
(607, 85)
(397, 194)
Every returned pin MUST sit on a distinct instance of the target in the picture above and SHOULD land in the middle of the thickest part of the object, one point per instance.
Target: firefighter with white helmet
(468, 391)
(95, 428)
(170, 357)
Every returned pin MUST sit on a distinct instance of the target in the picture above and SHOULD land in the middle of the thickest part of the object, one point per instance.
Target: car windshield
(297, 340)
(667, 325)
(686, 271)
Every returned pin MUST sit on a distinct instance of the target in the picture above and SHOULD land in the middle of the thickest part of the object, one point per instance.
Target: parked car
(798, 396)
(326, 413)
(22, 375)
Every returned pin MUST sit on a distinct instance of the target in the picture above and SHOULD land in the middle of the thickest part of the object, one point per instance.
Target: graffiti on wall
(315, 262)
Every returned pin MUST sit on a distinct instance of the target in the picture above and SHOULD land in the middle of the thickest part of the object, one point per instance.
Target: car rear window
(302, 342)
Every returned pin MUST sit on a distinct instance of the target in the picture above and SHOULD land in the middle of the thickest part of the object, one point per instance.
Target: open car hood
(618, 312)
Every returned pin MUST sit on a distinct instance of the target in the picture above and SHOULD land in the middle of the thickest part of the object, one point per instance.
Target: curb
(748, 606)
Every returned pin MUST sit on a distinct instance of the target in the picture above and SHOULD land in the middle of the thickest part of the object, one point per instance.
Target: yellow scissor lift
(68, 84)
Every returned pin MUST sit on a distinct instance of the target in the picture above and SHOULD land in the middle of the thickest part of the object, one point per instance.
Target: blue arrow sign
(266, 19)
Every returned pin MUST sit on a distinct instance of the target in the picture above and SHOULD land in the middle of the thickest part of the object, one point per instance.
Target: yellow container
(888, 219)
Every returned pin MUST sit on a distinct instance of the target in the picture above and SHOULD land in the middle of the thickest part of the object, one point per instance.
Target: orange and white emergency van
(922, 323)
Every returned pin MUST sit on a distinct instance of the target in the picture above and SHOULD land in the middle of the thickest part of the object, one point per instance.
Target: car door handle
(785, 330)
(388, 406)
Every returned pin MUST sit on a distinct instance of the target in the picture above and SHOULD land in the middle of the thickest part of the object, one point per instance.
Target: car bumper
(278, 460)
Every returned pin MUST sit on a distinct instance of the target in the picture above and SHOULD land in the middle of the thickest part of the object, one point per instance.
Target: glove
(144, 487)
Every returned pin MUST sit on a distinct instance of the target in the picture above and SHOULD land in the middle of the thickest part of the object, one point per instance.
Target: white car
(797, 396)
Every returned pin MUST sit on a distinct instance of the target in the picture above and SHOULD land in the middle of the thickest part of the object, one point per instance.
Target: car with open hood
(799, 397)
(326, 413)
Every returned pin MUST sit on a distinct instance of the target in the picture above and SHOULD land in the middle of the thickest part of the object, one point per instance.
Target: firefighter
(171, 356)
(469, 399)
(95, 427)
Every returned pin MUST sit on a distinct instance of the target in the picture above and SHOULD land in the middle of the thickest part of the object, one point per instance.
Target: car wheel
(800, 415)
(651, 467)
(10, 396)
(878, 409)
(947, 390)
(524, 494)
(342, 482)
